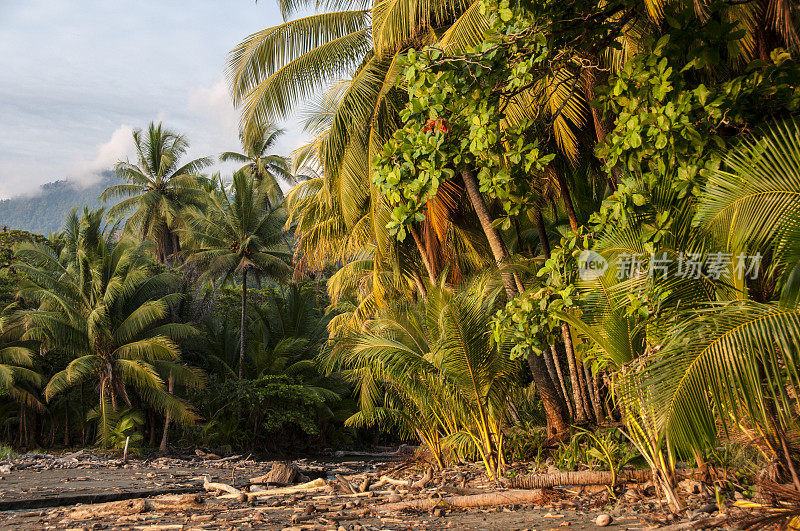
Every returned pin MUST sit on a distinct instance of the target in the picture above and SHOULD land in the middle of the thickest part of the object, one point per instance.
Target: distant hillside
(45, 212)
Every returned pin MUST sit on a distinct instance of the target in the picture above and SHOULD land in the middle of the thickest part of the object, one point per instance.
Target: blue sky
(77, 76)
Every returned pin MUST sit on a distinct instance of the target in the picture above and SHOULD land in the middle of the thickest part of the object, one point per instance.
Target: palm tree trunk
(585, 392)
(606, 405)
(152, 429)
(176, 247)
(242, 331)
(22, 427)
(543, 240)
(580, 414)
(599, 127)
(495, 243)
(556, 422)
(83, 417)
(562, 383)
(527, 248)
(577, 410)
(163, 447)
(567, 199)
(420, 286)
(551, 370)
(594, 394)
(66, 424)
(423, 252)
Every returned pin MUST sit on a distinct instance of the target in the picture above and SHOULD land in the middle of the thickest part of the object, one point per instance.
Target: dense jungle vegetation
(521, 229)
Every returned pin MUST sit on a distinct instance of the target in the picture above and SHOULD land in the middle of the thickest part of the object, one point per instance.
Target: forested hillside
(45, 212)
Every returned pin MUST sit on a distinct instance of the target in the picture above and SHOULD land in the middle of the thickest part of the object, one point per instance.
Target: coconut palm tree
(110, 316)
(20, 381)
(737, 360)
(431, 371)
(267, 169)
(158, 188)
(237, 234)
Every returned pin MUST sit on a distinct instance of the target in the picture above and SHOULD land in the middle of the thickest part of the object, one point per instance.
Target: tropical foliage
(514, 225)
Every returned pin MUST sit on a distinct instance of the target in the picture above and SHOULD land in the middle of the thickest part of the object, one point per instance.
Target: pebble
(603, 520)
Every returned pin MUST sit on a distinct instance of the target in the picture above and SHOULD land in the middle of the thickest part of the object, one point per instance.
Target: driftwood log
(233, 492)
(509, 497)
(386, 480)
(424, 480)
(584, 477)
(318, 483)
(181, 502)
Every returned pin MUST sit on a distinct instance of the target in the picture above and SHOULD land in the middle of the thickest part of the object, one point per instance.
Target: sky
(76, 77)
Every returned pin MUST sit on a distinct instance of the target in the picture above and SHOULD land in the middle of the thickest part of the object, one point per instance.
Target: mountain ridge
(45, 212)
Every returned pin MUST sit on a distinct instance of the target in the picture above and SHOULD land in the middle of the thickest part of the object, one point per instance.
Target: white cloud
(213, 104)
(119, 147)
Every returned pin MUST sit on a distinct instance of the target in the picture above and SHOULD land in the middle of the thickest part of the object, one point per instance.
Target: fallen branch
(584, 477)
(509, 497)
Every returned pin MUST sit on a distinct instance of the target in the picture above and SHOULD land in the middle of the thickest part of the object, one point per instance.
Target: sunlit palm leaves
(273, 70)
(758, 196)
(19, 379)
(725, 362)
(432, 371)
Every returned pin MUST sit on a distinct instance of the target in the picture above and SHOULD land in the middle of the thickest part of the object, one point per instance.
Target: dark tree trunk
(163, 447)
(560, 381)
(580, 414)
(242, 330)
(577, 409)
(520, 243)
(153, 435)
(23, 429)
(567, 199)
(543, 240)
(556, 421)
(594, 394)
(551, 370)
(585, 400)
(600, 128)
(83, 417)
(66, 425)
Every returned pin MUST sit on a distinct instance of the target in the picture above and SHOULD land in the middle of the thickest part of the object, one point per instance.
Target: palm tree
(20, 381)
(737, 360)
(110, 316)
(431, 371)
(267, 169)
(158, 188)
(236, 233)
(274, 69)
